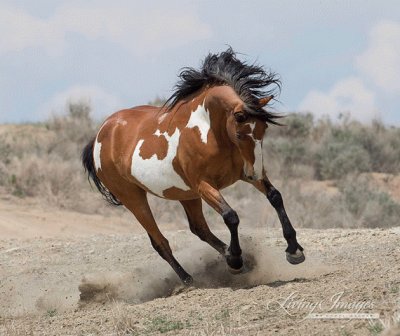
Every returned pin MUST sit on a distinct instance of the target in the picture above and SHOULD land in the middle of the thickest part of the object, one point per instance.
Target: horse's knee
(231, 218)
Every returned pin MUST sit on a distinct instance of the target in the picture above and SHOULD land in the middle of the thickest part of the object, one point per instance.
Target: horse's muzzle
(249, 172)
(251, 178)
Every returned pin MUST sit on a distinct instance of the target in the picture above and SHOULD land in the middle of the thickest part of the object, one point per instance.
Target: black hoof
(188, 281)
(236, 271)
(235, 263)
(296, 258)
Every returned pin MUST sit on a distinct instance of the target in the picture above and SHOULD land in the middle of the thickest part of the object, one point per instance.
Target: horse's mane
(250, 81)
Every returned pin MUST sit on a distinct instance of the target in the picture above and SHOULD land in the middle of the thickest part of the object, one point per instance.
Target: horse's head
(247, 133)
(245, 125)
(236, 93)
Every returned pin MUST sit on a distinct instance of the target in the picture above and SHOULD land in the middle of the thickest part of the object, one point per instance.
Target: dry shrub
(43, 160)
(315, 208)
(50, 178)
(288, 148)
(352, 148)
(73, 131)
(355, 204)
(331, 150)
(369, 207)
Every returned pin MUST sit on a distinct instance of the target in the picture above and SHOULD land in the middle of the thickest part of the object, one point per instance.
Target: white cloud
(346, 96)
(102, 102)
(379, 65)
(140, 29)
(381, 61)
(19, 30)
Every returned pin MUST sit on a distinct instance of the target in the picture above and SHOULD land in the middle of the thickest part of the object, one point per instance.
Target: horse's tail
(90, 169)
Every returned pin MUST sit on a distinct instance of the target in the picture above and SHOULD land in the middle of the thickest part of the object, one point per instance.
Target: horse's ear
(264, 101)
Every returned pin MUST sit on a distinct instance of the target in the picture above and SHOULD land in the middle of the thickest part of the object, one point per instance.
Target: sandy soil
(64, 273)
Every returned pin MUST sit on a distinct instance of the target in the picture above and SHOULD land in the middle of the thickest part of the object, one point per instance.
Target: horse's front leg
(294, 252)
(214, 198)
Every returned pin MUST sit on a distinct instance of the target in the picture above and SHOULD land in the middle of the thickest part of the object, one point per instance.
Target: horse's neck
(205, 110)
(180, 116)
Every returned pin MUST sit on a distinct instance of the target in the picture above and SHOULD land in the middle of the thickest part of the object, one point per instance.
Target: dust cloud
(264, 265)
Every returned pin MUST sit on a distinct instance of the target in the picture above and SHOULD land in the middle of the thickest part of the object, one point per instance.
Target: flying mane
(250, 82)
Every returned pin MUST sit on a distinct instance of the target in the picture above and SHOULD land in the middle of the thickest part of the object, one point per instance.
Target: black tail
(90, 169)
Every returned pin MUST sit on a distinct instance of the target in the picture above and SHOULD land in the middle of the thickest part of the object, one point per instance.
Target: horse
(207, 136)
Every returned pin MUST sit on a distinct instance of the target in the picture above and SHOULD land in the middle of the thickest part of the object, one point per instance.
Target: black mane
(251, 82)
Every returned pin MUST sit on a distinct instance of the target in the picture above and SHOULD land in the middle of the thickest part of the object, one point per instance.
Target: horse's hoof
(188, 281)
(297, 258)
(235, 263)
(236, 270)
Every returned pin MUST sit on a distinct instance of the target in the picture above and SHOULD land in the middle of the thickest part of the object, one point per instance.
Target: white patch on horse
(158, 175)
(258, 152)
(157, 132)
(252, 127)
(96, 155)
(200, 118)
(97, 150)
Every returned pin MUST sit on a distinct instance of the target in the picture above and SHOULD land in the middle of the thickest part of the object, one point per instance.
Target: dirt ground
(65, 273)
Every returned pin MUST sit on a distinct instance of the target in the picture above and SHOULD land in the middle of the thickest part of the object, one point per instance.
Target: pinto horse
(207, 136)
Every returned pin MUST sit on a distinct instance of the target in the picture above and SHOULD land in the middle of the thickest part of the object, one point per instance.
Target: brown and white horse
(208, 135)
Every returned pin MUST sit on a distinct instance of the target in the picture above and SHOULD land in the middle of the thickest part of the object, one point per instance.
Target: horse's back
(135, 115)
(130, 121)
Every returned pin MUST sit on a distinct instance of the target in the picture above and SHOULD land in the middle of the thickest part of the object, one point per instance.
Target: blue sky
(333, 56)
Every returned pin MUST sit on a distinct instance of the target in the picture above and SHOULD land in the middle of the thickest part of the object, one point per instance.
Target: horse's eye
(240, 117)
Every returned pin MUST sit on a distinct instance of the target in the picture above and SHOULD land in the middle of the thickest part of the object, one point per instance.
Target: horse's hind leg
(199, 227)
(137, 203)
